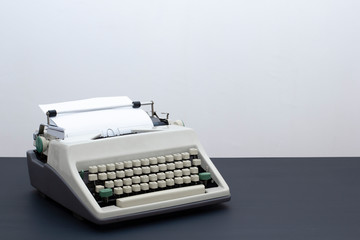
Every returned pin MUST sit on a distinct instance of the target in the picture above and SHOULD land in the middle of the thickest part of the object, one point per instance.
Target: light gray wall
(253, 78)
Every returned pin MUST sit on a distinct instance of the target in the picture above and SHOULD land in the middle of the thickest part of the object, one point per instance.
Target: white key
(153, 185)
(118, 182)
(193, 151)
(135, 179)
(145, 170)
(136, 163)
(101, 168)
(120, 174)
(136, 188)
(144, 186)
(161, 159)
(178, 173)
(179, 180)
(129, 172)
(127, 189)
(109, 184)
(154, 168)
(110, 167)
(118, 191)
(185, 172)
(153, 160)
(161, 183)
(93, 169)
(170, 166)
(185, 155)
(111, 175)
(169, 158)
(137, 171)
(169, 174)
(187, 179)
(170, 182)
(93, 177)
(194, 170)
(128, 164)
(145, 162)
(162, 167)
(196, 162)
(144, 178)
(127, 181)
(161, 176)
(177, 156)
(194, 178)
(98, 188)
(159, 196)
(119, 165)
(152, 177)
(179, 164)
(187, 163)
(102, 176)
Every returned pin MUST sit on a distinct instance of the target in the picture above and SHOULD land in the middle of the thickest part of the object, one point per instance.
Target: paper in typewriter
(120, 118)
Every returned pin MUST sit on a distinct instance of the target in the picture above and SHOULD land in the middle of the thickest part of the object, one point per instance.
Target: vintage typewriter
(119, 173)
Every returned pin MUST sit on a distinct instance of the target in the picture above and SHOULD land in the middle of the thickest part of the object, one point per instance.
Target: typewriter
(114, 174)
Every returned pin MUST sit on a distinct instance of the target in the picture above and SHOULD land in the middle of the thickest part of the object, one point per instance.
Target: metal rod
(55, 113)
(48, 118)
(152, 108)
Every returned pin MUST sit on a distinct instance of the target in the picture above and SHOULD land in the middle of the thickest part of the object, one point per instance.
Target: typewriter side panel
(47, 181)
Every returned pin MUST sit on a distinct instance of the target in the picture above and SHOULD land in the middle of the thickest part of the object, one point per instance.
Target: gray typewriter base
(48, 182)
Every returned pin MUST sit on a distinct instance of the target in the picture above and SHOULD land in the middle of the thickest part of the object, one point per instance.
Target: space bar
(160, 196)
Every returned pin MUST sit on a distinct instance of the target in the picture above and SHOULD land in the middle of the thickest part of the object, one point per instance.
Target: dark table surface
(272, 198)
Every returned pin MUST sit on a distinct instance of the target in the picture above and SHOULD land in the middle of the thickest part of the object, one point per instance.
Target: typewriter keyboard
(147, 180)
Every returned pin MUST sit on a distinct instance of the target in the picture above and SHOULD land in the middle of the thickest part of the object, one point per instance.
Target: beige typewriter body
(79, 172)
(68, 157)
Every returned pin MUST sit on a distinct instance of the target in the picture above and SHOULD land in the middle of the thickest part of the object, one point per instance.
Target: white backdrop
(253, 78)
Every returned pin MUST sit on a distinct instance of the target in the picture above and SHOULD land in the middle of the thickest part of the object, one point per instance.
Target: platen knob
(41, 144)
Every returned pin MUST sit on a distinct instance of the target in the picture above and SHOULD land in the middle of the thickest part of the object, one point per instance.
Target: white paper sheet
(111, 121)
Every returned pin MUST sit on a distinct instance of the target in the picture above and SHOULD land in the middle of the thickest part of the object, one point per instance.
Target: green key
(204, 176)
(82, 173)
(106, 192)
